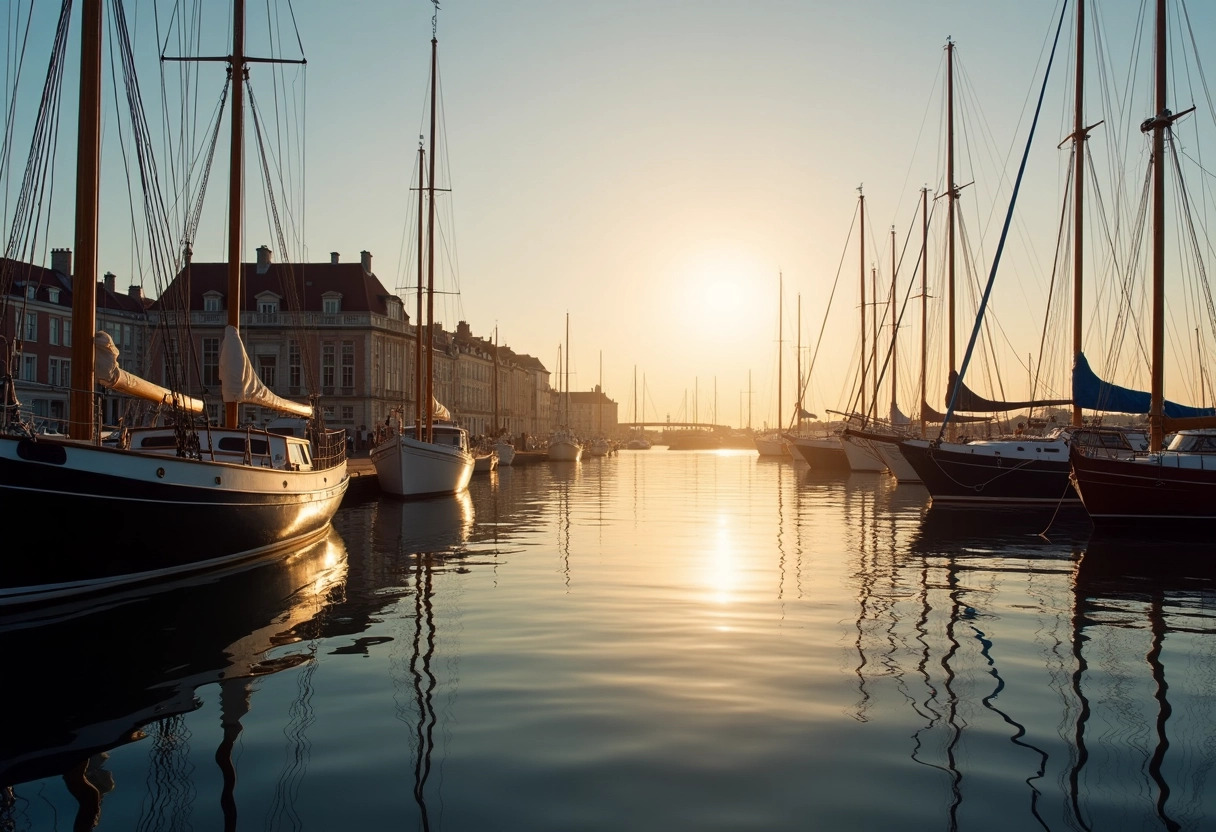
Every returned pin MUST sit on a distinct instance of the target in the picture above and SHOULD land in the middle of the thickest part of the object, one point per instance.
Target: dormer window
(52, 295)
(331, 303)
(268, 303)
(31, 292)
(212, 302)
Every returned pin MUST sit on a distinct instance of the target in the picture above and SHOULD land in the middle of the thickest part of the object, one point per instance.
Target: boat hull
(506, 453)
(1166, 486)
(862, 457)
(565, 450)
(823, 453)
(774, 446)
(409, 467)
(1027, 471)
(886, 447)
(127, 517)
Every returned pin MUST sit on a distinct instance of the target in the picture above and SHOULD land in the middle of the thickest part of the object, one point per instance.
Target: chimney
(333, 257)
(109, 282)
(135, 292)
(61, 261)
(264, 258)
(367, 261)
(187, 256)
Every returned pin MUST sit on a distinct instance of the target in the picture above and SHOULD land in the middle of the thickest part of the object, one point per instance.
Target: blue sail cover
(1093, 393)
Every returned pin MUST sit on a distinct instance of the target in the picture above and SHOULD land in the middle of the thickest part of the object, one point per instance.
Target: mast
(496, 381)
(236, 176)
(780, 350)
(1078, 149)
(567, 368)
(894, 332)
(418, 321)
(861, 201)
(951, 196)
(873, 414)
(84, 275)
(430, 255)
(599, 403)
(924, 300)
(1158, 124)
(798, 365)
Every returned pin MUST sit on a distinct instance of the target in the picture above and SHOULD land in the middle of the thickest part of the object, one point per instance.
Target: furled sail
(1093, 393)
(928, 414)
(239, 382)
(970, 402)
(898, 418)
(114, 377)
(439, 412)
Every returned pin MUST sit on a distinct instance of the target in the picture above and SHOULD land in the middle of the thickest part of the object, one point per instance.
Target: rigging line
(1061, 230)
(1004, 231)
(831, 295)
(10, 117)
(1185, 198)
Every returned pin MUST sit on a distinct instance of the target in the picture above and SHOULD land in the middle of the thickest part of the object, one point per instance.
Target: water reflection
(71, 700)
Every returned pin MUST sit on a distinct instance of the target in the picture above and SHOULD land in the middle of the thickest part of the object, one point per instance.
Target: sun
(722, 284)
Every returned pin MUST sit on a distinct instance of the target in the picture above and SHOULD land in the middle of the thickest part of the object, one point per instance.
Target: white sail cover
(239, 382)
(114, 377)
(439, 412)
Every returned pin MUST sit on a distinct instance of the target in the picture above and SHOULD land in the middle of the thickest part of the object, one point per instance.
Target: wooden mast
(861, 201)
(1078, 149)
(430, 258)
(951, 196)
(236, 177)
(894, 332)
(1158, 124)
(496, 427)
(88, 178)
(419, 387)
(924, 300)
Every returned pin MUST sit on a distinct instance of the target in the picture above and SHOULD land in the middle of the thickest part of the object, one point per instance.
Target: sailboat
(564, 445)
(1175, 482)
(165, 501)
(431, 456)
(1023, 469)
(774, 443)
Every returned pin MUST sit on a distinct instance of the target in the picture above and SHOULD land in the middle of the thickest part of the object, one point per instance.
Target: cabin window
(295, 455)
(236, 444)
(166, 441)
(348, 364)
(211, 362)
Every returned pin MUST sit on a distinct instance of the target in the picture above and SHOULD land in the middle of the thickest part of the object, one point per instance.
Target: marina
(655, 640)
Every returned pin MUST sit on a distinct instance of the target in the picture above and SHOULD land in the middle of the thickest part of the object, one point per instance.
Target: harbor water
(652, 640)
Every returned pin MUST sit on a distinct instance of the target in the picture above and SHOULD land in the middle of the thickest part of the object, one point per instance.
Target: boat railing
(329, 448)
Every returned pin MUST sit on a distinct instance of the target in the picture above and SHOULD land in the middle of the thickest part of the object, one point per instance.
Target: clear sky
(651, 168)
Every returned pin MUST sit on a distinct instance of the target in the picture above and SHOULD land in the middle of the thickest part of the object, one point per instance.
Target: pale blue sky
(650, 168)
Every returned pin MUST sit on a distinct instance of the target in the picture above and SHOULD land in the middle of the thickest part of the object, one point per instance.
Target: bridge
(665, 425)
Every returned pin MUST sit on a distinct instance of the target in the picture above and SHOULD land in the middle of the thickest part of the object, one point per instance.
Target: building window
(53, 330)
(31, 292)
(328, 354)
(52, 295)
(348, 413)
(29, 368)
(348, 363)
(331, 306)
(31, 326)
(293, 364)
(59, 372)
(211, 362)
(67, 333)
(266, 368)
(268, 307)
(211, 303)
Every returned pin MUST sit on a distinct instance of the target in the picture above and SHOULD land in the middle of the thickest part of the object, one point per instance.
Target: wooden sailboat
(165, 501)
(1019, 469)
(432, 456)
(564, 445)
(1175, 483)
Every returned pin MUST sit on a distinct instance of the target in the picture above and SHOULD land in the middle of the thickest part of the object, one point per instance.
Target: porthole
(160, 472)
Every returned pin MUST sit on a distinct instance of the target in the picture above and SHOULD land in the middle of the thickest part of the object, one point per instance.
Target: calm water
(653, 641)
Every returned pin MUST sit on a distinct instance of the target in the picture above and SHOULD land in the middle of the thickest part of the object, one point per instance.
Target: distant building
(37, 335)
(593, 414)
